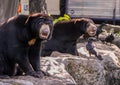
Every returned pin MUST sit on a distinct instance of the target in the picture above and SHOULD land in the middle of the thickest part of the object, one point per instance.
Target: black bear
(15, 34)
(65, 35)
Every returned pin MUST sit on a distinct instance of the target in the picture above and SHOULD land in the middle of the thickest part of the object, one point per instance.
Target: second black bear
(65, 35)
(14, 48)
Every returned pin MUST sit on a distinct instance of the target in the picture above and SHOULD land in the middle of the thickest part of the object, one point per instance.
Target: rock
(114, 28)
(14, 82)
(66, 69)
(56, 68)
(29, 80)
(87, 70)
(109, 67)
(117, 41)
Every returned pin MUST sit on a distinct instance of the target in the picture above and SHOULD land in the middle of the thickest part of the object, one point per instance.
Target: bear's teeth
(43, 35)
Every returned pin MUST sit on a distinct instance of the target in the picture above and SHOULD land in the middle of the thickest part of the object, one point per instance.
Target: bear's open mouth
(91, 30)
(44, 35)
(44, 32)
(92, 33)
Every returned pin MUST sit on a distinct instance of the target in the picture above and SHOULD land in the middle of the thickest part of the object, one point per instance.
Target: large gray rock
(89, 70)
(117, 41)
(29, 80)
(66, 69)
(56, 69)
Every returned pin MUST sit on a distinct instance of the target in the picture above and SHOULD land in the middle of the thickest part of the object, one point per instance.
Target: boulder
(117, 41)
(29, 80)
(66, 69)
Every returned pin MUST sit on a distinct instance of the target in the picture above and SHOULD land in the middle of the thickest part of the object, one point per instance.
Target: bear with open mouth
(15, 35)
(65, 35)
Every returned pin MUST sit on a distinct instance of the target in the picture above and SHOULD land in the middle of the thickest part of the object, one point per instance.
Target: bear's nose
(45, 30)
(94, 29)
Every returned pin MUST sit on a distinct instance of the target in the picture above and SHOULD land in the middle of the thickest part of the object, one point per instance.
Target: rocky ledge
(66, 69)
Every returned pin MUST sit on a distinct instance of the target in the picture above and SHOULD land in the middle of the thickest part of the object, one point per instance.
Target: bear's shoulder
(20, 20)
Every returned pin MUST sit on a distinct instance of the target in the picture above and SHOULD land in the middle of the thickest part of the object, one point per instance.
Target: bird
(90, 46)
(109, 39)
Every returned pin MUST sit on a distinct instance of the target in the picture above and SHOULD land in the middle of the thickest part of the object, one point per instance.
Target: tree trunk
(37, 6)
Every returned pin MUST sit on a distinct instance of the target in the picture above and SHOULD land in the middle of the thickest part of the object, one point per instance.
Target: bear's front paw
(43, 73)
(35, 74)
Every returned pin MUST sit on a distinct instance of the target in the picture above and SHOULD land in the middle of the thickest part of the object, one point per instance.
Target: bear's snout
(44, 31)
(91, 30)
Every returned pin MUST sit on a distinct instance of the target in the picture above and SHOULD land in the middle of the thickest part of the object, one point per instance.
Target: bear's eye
(48, 22)
(42, 19)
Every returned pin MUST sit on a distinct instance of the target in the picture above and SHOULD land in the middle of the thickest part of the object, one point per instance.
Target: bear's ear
(81, 23)
(36, 15)
(30, 17)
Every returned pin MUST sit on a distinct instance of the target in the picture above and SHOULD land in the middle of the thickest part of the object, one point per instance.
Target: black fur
(14, 48)
(65, 35)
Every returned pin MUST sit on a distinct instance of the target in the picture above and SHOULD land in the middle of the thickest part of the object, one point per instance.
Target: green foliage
(117, 34)
(65, 17)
